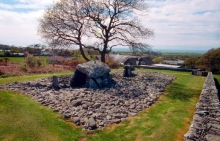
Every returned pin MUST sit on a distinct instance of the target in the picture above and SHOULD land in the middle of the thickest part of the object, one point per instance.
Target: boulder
(92, 74)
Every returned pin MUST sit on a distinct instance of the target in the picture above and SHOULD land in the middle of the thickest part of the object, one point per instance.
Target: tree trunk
(104, 51)
(83, 54)
(103, 57)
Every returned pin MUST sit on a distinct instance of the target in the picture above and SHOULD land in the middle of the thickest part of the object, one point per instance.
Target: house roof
(134, 60)
(123, 58)
(147, 60)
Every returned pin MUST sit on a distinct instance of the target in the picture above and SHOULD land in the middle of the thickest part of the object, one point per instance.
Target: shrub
(32, 62)
(112, 64)
(75, 62)
(158, 60)
(4, 61)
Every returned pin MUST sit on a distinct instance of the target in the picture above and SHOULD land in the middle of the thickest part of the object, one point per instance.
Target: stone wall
(206, 120)
(199, 73)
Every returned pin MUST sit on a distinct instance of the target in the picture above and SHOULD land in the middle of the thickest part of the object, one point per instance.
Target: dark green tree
(190, 62)
(210, 61)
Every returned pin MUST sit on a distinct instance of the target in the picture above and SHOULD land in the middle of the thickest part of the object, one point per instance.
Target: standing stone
(127, 71)
(55, 82)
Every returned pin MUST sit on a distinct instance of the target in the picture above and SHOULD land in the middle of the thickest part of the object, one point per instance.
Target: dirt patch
(13, 68)
(8, 137)
(83, 139)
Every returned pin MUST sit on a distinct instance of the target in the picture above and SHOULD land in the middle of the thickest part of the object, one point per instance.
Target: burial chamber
(92, 74)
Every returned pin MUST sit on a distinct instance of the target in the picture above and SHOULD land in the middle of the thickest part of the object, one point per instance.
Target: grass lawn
(190, 54)
(22, 119)
(167, 120)
(20, 59)
(15, 59)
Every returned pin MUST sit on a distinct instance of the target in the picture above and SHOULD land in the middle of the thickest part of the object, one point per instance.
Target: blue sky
(177, 24)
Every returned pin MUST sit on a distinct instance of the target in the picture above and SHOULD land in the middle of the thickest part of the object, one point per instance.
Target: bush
(4, 61)
(158, 60)
(75, 62)
(32, 62)
(112, 64)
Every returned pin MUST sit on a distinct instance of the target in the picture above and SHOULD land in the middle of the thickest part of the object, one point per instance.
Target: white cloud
(187, 24)
(192, 24)
(19, 28)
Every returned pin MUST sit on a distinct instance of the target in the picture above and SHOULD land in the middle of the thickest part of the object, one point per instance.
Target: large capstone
(92, 74)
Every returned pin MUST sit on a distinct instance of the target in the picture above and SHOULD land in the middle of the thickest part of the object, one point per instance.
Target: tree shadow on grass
(218, 87)
(181, 92)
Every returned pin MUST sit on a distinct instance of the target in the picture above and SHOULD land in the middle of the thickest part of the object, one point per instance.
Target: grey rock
(211, 137)
(132, 106)
(108, 117)
(92, 123)
(93, 69)
(97, 105)
(76, 119)
(116, 121)
(84, 106)
(123, 119)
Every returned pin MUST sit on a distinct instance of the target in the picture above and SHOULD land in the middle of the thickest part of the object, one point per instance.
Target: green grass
(167, 120)
(22, 119)
(182, 54)
(15, 59)
(20, 59)
(217, 77)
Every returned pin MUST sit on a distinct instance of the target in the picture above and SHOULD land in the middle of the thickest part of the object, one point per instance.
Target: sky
(177, 24)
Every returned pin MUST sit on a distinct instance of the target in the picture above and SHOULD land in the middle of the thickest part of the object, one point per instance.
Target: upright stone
(55, 82)
(128, 71)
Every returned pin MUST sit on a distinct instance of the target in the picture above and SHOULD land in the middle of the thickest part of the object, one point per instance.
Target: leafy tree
(190, 62)
(107, 23)
(15, 49)
(210, 61)
(158, 60)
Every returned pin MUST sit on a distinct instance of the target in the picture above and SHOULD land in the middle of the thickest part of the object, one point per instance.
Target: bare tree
(109, 22)
(63, 24)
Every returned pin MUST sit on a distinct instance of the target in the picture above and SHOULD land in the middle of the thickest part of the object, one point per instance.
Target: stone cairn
(96, 108)
(206, 120)
(92, 74)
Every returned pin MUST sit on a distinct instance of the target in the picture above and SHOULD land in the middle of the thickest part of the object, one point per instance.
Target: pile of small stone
(206, 120)
(96, 108)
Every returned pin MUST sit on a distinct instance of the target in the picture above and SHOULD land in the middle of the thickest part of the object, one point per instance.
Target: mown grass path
(167, 120)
